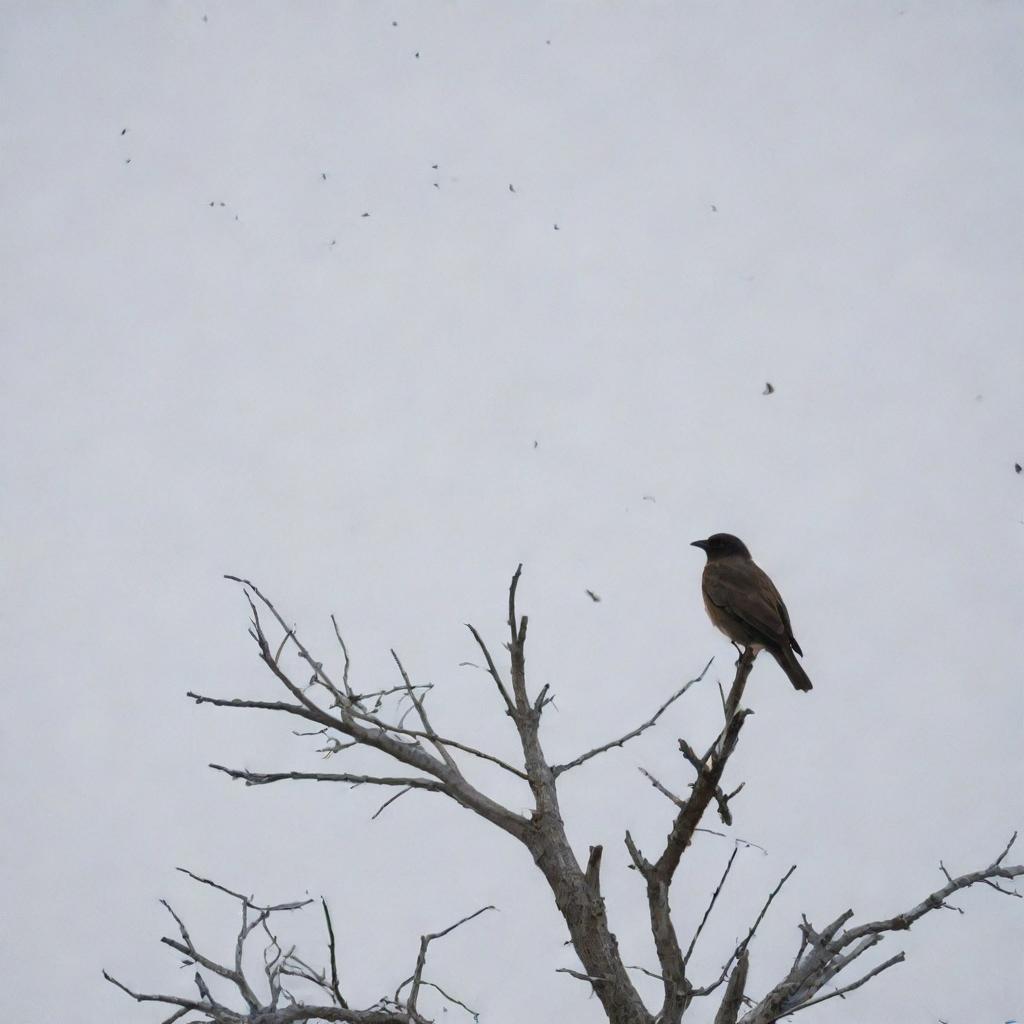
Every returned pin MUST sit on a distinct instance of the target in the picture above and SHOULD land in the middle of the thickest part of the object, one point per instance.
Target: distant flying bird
(768, 389)
(743, 603)
(511, 189)
(593, 597)
(1017, 468)
(124, 130)
(323, 175)
(650, 497)
(714, 209)
(535, 443)
(556, 227)
(364, 215)
(417, 54)
(433, 167)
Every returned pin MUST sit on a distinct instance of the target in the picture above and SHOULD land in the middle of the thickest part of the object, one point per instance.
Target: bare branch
(711, 906)
(416, 980)
(335, 990)
(424, 720)
(633, 733)
(492, 670)
(344, 651)
(937, 899)
(891, 962)
(247, 901)
(741, 948)
(263, 778)
(821, 956)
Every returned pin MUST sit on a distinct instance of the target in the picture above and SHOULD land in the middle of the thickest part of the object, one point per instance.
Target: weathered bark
(577, 894)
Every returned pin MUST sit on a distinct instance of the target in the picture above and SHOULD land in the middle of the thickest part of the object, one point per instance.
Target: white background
(824, 196)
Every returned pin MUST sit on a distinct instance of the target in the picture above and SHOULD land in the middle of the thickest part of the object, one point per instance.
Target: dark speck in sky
(768, 389)
(593, 597)
(557, 228)
(365, 215)
(714, 209)
(1017, 468)
(123, 130)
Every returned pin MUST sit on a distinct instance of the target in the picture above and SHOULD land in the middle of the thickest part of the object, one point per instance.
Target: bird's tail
(788, 663)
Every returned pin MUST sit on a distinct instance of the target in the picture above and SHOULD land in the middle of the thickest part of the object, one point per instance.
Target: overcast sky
(214, 362)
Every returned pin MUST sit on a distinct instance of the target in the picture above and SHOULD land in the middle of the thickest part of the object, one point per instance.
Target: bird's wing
(744, 591)
(783, 610)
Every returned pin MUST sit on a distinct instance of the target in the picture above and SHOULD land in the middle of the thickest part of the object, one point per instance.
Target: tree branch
(822, 955)
(558, 769)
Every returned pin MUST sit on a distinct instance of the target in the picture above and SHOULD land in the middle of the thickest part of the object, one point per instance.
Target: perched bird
(743, 603)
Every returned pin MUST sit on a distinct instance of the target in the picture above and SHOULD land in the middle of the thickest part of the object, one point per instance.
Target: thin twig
(558, 769)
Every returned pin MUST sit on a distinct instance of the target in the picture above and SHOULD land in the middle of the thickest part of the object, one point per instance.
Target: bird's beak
(702, 544)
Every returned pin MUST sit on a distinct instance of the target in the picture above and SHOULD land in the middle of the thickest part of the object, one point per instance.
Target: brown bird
(743, 603)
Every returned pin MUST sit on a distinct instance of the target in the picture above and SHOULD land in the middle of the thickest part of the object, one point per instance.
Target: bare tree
(427, 760)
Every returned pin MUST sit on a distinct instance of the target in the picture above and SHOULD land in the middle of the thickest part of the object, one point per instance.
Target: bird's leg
(740, 651)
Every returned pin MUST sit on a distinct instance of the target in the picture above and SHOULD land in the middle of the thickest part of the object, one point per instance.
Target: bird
(594, 597)
(1018, 468)
(743, 603)
(511, 188)
(769, 388)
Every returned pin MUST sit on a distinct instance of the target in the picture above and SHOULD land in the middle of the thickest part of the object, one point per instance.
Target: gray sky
(824, 196)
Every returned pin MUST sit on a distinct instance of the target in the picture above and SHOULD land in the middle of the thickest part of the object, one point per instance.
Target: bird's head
(722, 545)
